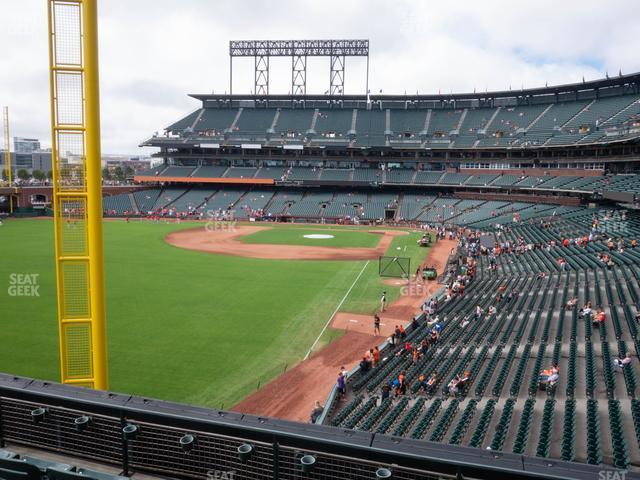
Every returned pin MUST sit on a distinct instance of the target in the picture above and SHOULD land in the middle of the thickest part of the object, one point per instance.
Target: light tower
(299, 51)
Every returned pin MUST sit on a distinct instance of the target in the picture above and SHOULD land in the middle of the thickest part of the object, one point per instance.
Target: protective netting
(77, 362)
(398, 267)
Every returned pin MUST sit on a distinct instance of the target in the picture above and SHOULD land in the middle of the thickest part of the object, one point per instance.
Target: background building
(25, 145)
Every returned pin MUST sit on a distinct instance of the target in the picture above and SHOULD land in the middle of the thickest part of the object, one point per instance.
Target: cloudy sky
(154, 52)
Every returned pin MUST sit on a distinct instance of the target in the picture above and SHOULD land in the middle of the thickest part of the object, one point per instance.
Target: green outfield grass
(296, 236)
(182, 325)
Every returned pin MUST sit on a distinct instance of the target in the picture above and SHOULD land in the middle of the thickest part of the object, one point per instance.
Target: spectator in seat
(599, 317)
(385, 392)
(453, 385)
(620, 363)
(422, 382)
(365, 366)
(431, 383)
(316, 412)
(549, 377)
(341, 383)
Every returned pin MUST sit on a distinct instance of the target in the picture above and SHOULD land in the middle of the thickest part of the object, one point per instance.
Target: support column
(299, 75)
(261, 63)
(336, 86)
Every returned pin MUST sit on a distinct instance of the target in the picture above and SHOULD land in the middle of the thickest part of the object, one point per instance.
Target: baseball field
(189, 323)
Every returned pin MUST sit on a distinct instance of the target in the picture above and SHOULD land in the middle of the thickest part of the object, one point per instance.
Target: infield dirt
(226, 242)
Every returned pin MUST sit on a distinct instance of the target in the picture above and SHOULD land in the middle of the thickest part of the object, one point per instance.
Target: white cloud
(154, 52)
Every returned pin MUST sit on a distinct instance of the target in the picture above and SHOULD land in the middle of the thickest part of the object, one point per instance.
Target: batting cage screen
(398, 267)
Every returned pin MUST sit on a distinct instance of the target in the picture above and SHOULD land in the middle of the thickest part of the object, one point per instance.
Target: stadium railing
(193, 442)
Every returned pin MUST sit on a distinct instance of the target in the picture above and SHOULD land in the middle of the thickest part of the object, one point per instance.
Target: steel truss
(299, 51)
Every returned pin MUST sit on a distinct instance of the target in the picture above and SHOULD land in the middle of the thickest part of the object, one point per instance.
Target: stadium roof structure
(628, 81)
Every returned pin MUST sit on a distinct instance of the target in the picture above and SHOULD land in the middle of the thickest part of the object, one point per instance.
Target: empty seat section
(276, 173)
(369, 175)
(601, 111)
(254, 122)
(192, 200)
(371, 123)
(241, 172)
(185, 122)
(407, 123)
(400, 175)
(280, 202)
(294, 122)
(223, 202)
(481, 180)
(333, 123)
(215, 171)
(453, 179)
(178, 171)
(426, 177)
(336, 174)
(253, 203)
(214, 121)
(443, 122)
(146, 199)
(152, 172)
(304, 173)
(117, 204)
(168, 196)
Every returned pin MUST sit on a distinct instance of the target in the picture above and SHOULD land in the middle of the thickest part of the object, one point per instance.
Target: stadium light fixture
(82, 423)
(383, 473)
(308, 463)
(39, 414)
(245, 451)
(187, 442)
(130, 432)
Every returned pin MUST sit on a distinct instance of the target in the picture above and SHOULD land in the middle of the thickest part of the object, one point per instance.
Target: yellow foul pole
(94, 192)
(77, 191)
(7, 154)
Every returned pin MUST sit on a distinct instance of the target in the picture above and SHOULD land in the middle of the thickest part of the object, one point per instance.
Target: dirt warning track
(229, 243)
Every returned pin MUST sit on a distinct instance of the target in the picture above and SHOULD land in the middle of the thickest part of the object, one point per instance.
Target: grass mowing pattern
(182, 325)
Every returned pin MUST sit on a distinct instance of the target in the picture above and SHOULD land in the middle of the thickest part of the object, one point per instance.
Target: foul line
(337, 308)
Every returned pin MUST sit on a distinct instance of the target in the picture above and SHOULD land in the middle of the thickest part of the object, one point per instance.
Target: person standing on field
(383, 301)
(376, 324)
